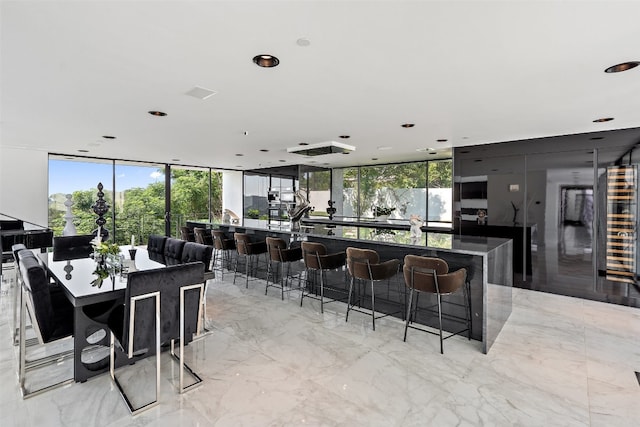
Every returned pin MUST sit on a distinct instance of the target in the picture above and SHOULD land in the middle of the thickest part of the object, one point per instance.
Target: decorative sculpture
(100, 208)
(415, 232)
(69, 227)
(297, 212)
(331, 210)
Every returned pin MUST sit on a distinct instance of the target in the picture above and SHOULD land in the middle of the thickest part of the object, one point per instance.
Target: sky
(66, 177)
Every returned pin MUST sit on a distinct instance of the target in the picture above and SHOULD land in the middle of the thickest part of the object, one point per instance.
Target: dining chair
(52, 318)
(161, 305)
(72, 247)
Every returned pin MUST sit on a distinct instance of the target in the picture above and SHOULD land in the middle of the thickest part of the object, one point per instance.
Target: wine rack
(621, 223)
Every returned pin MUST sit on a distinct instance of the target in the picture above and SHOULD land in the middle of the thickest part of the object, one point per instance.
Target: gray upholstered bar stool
(317, 260)
(279, 256)
(223, 248)
(430, 275)
(251, 252)
(364, 264)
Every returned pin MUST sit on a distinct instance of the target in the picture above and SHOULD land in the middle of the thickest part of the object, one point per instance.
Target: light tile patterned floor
(559, 361)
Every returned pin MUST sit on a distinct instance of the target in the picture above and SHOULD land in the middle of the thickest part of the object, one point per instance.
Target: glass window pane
(398, 191)
(140, 201)
(440, 207)
(79, 177)
(189, 196)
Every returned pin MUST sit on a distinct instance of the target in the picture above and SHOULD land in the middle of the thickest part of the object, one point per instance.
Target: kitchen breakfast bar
(488, 262)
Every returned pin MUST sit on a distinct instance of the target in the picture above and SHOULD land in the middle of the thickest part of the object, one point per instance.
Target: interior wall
(232, 191)
(24, 184)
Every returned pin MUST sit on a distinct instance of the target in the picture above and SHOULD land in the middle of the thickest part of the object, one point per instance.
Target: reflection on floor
(558, 362)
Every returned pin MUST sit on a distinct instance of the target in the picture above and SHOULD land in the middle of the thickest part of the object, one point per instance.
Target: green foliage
(140, 211)
(253, 213)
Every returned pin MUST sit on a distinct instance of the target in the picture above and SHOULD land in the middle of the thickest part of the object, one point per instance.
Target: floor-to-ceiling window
(79, 178)
(136, 193)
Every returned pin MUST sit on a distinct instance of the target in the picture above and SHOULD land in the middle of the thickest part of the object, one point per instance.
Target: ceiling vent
(201, 93)
(322, 148)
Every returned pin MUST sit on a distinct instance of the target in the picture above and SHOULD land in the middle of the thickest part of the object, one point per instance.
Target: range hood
(321, 148)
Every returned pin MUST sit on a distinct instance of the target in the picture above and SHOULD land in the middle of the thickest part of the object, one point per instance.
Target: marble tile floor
(559, 361)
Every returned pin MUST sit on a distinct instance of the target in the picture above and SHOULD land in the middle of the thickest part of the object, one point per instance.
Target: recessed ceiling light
(108, 137)
(264, 150)
(303, 143)
(303, 42)
(494, 170)
(345, 136)
(83, 151)
(408, 125)
(441, 140)
(622, 67)
(374, 158)
(326, 164)
(346, 152)
(157, 113)
(594, 138)
(175, 160)
(239, 155)
(266, 61)
(384, 147)
(201, 93)
(602, 120)
(477, 160)
(282, 161)
(238, 166)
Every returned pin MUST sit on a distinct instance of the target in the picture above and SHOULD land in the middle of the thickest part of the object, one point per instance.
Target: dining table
(93, 303)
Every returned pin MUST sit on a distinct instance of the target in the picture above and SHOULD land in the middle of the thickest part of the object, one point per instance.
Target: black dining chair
(194, 252)
(173, 251)
(52, 318)
(161, 305)
(72, 247)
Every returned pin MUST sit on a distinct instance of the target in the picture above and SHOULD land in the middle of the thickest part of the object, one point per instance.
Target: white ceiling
(470, 72)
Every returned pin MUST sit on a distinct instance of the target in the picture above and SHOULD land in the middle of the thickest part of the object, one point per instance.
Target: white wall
(24, 184)
(232, 191)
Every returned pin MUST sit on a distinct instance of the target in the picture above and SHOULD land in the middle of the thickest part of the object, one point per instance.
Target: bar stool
(317, 260)
(223, 247)
(427, 274)
(251, 252)
(280, 254)
(202, 236)
(364, 264)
